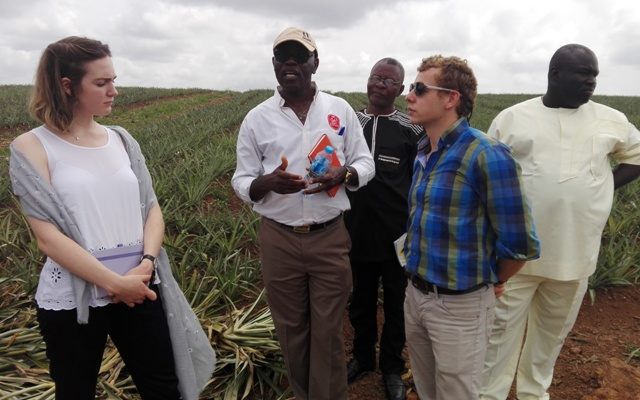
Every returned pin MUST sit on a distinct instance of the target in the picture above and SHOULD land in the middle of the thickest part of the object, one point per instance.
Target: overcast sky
(219, 44)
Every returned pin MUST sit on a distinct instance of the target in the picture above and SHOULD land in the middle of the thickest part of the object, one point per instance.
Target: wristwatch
(154, 260)
(150, 258)
(348, 176)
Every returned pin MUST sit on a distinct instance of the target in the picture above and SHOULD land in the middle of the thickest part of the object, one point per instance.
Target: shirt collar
(448, 138)
(281, 100)
(364, 111)
(453, 132)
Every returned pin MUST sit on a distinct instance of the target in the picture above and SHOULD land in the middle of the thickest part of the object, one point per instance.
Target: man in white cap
(303, 241)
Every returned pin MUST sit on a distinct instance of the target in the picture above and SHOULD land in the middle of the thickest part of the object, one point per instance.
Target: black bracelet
(150, 258)
(153, 271)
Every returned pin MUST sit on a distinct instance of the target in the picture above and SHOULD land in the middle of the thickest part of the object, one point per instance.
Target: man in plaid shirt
(470, 229)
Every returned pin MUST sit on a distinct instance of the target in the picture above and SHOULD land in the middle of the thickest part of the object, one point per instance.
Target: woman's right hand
(132, 290)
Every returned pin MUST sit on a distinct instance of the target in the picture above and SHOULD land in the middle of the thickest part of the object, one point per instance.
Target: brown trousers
(308, 280)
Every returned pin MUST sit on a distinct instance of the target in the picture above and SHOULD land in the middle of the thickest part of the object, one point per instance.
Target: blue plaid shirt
(466, 210)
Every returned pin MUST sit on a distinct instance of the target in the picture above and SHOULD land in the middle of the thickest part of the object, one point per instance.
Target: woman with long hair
(87, 196)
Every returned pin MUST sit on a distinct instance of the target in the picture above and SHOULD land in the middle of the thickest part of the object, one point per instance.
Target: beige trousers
(308, 279)
(447, 340)
(548, 308)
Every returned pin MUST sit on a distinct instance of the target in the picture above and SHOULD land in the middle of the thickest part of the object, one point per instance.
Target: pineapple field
(188, 137)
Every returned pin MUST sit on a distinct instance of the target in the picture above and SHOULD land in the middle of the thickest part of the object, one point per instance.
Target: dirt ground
(594, 363)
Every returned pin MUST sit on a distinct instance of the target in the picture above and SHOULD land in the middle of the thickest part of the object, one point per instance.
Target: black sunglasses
(421, 88)
(299, 55)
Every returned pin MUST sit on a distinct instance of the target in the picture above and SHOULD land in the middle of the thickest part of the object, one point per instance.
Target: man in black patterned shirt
(378, 216)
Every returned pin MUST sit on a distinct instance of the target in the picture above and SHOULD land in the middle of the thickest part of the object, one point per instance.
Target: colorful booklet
(317, 148)
(119, 260)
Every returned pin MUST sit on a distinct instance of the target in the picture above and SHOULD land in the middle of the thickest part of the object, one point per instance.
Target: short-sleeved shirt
(467, 210)
(566, 171)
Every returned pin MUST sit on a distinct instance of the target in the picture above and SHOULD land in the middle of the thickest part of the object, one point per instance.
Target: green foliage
(13, 106)
(139, 95)
(619, 258)
(634, 353)
(188, 137)
(14, 101)
(489, 105)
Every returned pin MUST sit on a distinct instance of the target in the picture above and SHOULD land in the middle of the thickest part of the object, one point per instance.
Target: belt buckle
(302, 229)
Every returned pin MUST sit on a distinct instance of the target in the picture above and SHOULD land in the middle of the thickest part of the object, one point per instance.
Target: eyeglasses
(422, 88)
(388, 82)
(299, 55)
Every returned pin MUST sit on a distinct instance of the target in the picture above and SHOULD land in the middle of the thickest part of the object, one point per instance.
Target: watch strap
(150, 258)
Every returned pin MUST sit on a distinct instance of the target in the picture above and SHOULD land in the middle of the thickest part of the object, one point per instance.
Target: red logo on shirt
(334, 121)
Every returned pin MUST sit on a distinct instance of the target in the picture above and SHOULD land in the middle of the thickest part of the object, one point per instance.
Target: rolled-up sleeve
(356, 151)
(248, 162)
(627, 150)
(507, 206)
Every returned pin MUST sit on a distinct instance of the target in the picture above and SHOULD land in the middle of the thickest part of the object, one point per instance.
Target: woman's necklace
(70, 137)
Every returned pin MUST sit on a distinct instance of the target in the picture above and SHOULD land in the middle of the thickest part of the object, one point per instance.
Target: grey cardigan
(194, 357)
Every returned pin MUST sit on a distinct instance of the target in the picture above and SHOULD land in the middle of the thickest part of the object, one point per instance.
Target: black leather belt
(426, 287)
(312, 227)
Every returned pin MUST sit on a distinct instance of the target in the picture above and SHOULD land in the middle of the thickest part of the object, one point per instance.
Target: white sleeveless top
(101, 191)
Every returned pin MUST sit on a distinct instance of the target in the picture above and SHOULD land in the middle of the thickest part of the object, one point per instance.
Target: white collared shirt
(271, 130)
(566, 171)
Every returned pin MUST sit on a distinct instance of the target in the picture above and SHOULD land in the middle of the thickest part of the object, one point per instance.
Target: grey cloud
(629, 56)
(227, 44)
(15, 9)
(626, 35)
(317, 14)
(14, 64)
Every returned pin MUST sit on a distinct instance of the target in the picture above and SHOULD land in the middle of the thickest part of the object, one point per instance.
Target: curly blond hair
(454, 74)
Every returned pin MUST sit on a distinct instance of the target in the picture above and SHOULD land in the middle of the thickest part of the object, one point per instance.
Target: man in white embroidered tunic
(563, 142)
